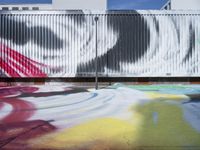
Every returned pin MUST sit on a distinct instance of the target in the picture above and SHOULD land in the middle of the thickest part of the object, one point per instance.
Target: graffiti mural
(118, 117)
(130, 43)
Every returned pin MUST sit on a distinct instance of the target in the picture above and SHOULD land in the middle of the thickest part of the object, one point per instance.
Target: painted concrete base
(119, 117)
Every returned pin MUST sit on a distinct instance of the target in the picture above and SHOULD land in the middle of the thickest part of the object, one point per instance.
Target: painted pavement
(118, 117)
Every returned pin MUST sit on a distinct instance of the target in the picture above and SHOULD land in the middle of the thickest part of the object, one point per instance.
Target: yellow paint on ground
(97, 134)
(168, 130)
(162, 96)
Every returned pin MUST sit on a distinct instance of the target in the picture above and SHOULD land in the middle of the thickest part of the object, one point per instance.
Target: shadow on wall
(133, 39)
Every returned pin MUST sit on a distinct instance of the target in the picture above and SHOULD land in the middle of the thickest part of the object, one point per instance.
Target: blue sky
(135, 4)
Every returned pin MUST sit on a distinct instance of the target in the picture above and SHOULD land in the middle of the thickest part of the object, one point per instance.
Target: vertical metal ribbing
(132, 67)
(138, 41)
(197, 43)
(62, 51)
(56, 50)
(183, 65)
(84, 36)
(69, 48)
(107, 42)
(70, 43)
(105, 26)
(22, 38)
(73, 42)
(120, 48)
(144, 43)
(114, 60)
(167, 72)
(161, 58)
(193, 47)
(33, 47)
(1, 48)
(100, 44)
(66, 68)
(181, 19)
(44, 40)
(16, 36)
(26, 37)
(51, 19)
(27, 45)
(42, 60)
(135, 47)
(184, 31)
(5, 43)
(37, 50)
(21, 46)
(179, 34)
(176, 48)
(193, 63)
(149, 47)
(58, 61)
(1, 51)
(91, 28)
(31, 43)
(155, 20)
(96, 53)
(8, 60)
(39, 38)
(41, 25)
(126, 46)
(142, 40)
(78, 48)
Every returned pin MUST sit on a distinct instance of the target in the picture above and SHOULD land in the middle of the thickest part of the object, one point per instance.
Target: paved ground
(119, 117)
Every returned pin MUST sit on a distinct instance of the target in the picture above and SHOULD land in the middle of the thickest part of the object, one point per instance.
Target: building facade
(180, 5)
(54, 5)
(63, 44)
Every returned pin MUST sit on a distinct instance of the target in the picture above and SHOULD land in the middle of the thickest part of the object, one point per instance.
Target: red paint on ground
(21, 110)
(16, 135)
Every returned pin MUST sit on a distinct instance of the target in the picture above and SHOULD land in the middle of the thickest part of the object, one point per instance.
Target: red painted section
(15, 63)
(8, 69)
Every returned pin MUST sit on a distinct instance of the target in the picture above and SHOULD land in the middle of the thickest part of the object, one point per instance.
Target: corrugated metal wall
(130, 43)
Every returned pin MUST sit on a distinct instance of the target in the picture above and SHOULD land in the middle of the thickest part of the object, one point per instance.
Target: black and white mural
(129, 43)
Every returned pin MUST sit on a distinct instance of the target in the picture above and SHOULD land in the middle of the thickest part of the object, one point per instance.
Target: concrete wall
(29, 6)
(80, 4)
(64, 4)
(185, 4)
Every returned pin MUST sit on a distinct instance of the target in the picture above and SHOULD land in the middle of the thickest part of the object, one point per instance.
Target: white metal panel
(130, 43)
